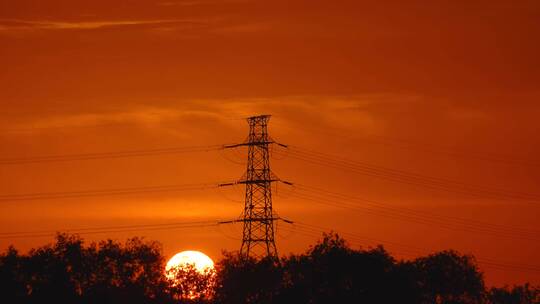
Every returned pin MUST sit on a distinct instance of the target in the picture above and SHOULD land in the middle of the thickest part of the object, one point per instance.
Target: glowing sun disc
(199, 260)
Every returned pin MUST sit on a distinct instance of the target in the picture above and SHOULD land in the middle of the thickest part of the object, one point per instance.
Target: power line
(105, 155)
(30, 129)
(418, 146)
(104, 192)
(478, 227)
(71, 127)
(484, 156)
(316, 231)
(417, 251)
(413, 176)
(423, 221)
(109, 229)
(405, 177)
(386, 206)
(422, 218)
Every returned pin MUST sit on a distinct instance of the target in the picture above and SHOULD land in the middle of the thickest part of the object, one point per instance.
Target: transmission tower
(258, 217)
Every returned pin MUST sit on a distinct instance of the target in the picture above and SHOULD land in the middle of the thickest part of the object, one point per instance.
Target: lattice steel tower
(258, 217)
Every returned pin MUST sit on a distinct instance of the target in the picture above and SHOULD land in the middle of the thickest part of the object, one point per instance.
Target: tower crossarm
(255, 143)
(257, 220)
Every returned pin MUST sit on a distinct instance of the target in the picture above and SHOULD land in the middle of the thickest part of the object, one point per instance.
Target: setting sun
(199, 260)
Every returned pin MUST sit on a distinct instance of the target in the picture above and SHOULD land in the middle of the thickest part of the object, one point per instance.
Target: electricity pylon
(258, 217)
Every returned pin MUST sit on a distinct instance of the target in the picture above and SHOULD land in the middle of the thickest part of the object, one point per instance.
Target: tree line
(70, 271)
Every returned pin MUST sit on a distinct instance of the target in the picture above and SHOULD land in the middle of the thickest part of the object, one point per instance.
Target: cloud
(198, 2)
(353, 110)
(191, 28)
(15, 24)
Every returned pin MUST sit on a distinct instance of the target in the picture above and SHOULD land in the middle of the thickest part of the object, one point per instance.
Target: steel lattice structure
(258, 217)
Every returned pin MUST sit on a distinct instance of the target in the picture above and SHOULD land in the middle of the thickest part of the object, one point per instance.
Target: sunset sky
(441, 97)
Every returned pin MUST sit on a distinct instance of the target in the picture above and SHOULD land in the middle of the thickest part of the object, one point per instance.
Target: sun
(191, 274)
(199, 260)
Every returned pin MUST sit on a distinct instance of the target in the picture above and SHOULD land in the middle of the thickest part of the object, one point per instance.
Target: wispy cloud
(198, 2)
(15, 24)
(355, 110)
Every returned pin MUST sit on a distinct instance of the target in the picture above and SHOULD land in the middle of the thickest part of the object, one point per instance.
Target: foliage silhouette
(247, 280)
(447, 277)
(189, 285)
(516, 295)
(332, 272)
(68, 271)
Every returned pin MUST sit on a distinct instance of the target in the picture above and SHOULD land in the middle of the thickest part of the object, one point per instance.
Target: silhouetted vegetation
(69, 271)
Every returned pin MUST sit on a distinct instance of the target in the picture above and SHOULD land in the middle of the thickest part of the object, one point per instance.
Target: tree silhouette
(133, 271)
(448, 277)
(330, 272)
(12, 283)
(68, 271)
(190, 285)
(525, 294)
(242, 280)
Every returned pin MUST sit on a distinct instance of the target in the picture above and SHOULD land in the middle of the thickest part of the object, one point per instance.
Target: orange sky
(439, 88)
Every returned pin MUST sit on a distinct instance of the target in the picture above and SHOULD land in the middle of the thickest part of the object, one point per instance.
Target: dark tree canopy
(190, 285)
(448, 277)
(246, 280)
(331, 271)
(69, 271)
(516, 295)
